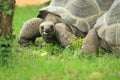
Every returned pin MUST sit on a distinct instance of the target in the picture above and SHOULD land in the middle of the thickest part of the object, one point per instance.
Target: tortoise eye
(42, 27)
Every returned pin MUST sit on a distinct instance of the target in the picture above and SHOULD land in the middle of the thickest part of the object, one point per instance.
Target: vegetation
(52, 62)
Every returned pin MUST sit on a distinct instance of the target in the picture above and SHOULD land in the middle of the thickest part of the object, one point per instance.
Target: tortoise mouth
(49, 37)
(48, 34)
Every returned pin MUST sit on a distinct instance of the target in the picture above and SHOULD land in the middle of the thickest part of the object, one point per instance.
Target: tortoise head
(47, 29)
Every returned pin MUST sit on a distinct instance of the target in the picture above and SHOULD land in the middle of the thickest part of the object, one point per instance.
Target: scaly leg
(64, 34)
(91, 43)
(29, 31)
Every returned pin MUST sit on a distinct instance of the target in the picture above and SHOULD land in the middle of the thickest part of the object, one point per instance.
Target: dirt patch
(23, 3)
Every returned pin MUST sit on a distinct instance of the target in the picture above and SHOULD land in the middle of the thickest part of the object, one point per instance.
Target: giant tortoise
(64, 20)
(106, 32)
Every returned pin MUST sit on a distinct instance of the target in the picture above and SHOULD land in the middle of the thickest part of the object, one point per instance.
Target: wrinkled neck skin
(54, 18)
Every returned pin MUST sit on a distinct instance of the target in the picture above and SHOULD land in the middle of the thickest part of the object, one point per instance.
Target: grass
(52, 62)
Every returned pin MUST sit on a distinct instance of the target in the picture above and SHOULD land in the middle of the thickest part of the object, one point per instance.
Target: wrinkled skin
(91, 43)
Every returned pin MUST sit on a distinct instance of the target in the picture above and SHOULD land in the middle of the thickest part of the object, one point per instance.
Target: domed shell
(108, 26)
(80, 13)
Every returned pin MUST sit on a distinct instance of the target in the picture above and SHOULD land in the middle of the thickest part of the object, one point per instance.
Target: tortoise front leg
(29, 31)
(91, 43)
(63, 34)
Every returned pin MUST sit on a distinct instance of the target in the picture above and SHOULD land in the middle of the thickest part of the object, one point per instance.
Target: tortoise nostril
(42, 27)
(51, 26)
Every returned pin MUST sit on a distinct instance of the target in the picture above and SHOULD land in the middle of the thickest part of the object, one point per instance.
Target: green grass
(52, 62)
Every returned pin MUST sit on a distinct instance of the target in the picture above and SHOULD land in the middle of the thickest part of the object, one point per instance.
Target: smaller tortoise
(64, 20)
(106, 32)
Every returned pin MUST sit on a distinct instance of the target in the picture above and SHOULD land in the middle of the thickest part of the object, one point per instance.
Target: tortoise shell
(108, 26)
(80, 13)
